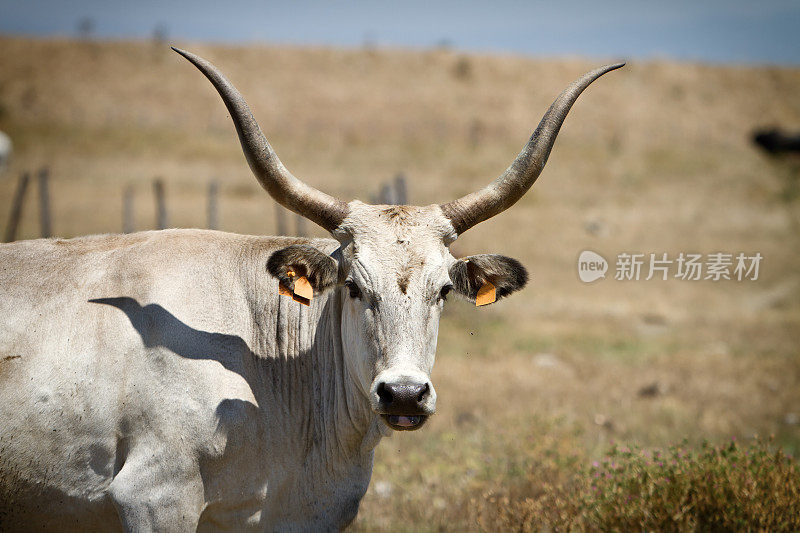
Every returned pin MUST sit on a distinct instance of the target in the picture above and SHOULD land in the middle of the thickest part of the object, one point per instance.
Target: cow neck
(320, 412)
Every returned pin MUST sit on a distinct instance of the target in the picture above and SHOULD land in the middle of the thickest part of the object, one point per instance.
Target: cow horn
(504, 192)
(286, 189)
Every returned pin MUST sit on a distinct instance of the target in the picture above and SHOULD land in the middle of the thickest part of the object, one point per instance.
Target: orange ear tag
(303, 292)
(283, 290)
(486, 295)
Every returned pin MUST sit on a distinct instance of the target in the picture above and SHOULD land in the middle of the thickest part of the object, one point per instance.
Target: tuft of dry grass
(726, 487)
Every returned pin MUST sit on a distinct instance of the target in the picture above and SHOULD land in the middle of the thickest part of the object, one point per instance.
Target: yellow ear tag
(486, 295)
(303, 292)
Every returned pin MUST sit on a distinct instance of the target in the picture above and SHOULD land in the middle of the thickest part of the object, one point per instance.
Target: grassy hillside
(653, 158)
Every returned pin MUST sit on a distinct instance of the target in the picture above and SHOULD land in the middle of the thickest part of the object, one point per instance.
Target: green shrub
(715, 488)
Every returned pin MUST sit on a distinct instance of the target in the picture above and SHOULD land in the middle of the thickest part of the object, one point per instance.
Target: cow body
(159, 379)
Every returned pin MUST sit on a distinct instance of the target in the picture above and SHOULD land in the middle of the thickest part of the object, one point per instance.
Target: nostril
(423, 394)
(384, 394)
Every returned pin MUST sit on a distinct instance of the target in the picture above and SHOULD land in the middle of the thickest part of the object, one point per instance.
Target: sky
(716, 31)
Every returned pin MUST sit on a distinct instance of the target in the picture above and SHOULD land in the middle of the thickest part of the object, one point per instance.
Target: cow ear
(303, 261)
(493, 276)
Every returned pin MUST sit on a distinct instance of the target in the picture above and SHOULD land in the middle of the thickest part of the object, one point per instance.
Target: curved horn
(504, 192)
(287, 190)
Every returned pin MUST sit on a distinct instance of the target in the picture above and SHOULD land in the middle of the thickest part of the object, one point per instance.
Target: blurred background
(692, 147)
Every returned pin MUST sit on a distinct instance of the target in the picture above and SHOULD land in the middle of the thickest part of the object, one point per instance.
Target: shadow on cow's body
(159, 328)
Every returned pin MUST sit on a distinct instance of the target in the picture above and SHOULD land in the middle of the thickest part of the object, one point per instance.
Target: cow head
(394, 268)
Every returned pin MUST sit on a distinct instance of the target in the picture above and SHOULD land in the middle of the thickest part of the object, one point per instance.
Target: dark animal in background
(776, 141)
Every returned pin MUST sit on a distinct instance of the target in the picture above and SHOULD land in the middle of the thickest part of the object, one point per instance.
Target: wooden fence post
(16, 207)
(127, 210)
(302, 230)
(44, 203)
(387, 194)
(400, 189)
(213, 215)
(280, 216)
(161, 204)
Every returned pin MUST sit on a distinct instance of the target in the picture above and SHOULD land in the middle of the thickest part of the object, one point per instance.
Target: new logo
(591, 266)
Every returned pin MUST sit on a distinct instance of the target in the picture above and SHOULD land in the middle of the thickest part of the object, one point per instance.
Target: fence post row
(394, 192)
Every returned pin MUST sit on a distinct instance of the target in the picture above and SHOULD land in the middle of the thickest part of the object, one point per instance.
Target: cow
(185, 379)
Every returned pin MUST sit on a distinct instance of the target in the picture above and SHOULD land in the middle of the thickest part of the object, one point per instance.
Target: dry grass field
(653, 158)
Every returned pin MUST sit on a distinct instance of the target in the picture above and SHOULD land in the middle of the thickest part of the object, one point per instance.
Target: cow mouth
(404, 422)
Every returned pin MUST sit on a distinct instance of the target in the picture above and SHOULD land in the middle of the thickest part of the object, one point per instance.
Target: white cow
(174, 380)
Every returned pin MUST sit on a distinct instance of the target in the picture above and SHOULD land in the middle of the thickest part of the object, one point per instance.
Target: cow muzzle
(404, 403)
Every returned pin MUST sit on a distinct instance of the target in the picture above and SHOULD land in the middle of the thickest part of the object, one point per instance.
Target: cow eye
(355, 292)
(445, 291)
